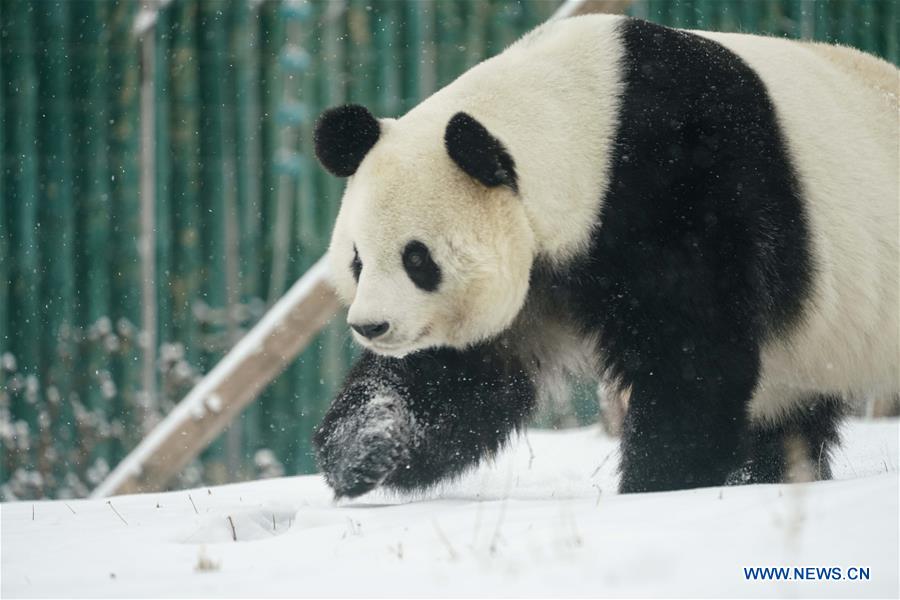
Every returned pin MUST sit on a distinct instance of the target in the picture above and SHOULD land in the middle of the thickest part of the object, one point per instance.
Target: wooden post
(146, 34)
(254, 361)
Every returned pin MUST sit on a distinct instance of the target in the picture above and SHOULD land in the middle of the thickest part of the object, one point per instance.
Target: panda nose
(370, 330)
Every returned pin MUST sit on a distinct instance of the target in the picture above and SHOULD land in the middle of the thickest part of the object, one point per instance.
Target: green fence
(110, 307)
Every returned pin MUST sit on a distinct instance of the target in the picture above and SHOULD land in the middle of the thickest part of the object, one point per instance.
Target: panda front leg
(686, 424)
(409, 423)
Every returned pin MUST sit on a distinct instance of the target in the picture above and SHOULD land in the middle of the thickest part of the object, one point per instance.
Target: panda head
(431, 246)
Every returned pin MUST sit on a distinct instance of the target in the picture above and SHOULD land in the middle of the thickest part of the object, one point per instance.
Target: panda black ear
(478, 153)
(343, 136)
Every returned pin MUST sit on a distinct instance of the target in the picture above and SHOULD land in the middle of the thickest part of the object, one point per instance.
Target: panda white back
(838, 108)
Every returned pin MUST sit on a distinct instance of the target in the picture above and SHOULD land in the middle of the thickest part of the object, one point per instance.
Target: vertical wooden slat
(891, 43)
(20, 93)
(233, 13)
(184, 282)
(493, 26)
(450, 50)
(803, 18)
(315, 216)
(147, 242)
(270, 40)
(728, 16)
(848, 33)
(750, 17)
(705, 14)
(268, 59)
(243, 50)
(300, 77)
(89, 85)
(385, 37)
(211, 49)
(491, 29)
(476, 27)
(413, 26)
(654, 10)
(56, 231)
(428, 55)
(285, 201)
(528, 16)
(639, 9)
(5, 259)
(287, 245)
(165, 241)
(271, 31)
(821, 21)
(360, 54)
(318, 197)
(507, 30)
(310, 370)
(213, 243)
(866, 32)
(124, 132)
(681, 13)
(5, 264)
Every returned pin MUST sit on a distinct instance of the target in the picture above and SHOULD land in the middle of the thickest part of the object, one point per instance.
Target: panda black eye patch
(420, 267)
(356, 264)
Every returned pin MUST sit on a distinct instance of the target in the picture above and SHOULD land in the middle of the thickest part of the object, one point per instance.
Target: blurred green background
(124, 277)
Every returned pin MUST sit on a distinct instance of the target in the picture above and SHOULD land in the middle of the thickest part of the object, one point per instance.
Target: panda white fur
(709, 220)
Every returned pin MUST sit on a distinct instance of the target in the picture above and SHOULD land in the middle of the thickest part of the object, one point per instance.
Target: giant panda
(708, 220)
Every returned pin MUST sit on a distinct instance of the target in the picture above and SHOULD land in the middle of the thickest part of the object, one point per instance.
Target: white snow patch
(214, 402)
(383, 399)
(549, 525)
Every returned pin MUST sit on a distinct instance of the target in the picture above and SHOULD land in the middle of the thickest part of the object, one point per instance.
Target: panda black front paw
(359, 450)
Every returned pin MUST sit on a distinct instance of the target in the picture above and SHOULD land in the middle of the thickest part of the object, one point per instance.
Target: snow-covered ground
(543, 524)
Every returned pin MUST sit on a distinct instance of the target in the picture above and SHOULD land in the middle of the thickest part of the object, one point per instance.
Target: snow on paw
(743, 475)
(359, 450)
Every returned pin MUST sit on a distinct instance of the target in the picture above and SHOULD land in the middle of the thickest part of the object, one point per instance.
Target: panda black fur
(656, 207)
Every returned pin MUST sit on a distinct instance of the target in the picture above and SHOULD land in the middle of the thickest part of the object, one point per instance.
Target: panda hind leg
(797, 448)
